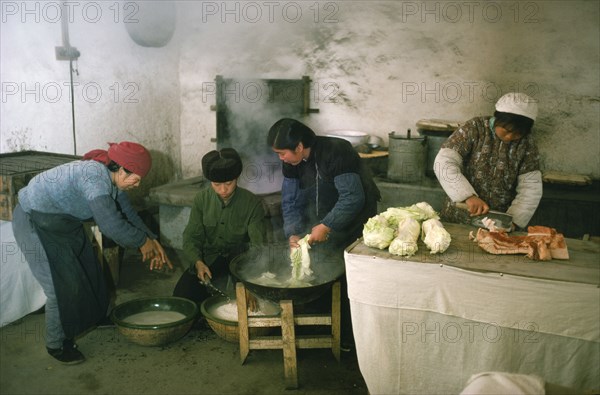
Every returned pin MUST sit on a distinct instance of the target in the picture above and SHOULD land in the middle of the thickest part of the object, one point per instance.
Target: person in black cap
(225, 220)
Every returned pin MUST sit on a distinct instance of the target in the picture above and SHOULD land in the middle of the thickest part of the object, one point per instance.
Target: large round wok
(327, 267)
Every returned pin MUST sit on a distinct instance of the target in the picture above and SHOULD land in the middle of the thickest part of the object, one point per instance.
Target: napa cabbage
(435, 236)
(300, 259)
(405, 242)
(377, 233)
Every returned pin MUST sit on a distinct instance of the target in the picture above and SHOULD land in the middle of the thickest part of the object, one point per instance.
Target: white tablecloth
(424, 328)
(20, 293)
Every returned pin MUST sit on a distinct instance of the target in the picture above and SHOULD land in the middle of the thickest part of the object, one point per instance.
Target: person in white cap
(492, 163)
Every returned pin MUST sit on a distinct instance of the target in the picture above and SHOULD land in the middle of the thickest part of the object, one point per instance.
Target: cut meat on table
(541, 243)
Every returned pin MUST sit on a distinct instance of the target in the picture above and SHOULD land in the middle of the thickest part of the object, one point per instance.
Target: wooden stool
(288, 341)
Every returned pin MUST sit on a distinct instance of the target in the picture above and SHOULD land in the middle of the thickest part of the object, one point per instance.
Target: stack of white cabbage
(398, 229)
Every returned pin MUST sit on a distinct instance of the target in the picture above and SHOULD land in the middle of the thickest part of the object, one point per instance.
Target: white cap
(518, 103)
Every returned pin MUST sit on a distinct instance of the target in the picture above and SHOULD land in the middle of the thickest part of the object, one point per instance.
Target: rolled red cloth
(132, 156)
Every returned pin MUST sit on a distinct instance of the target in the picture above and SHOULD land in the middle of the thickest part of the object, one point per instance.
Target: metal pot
(327, 266)
(407, 158)
(355, 137)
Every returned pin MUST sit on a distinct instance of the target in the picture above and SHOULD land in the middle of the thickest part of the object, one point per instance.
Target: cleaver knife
(502, 221)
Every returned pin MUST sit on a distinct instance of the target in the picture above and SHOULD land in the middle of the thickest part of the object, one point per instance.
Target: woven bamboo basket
(226, 329)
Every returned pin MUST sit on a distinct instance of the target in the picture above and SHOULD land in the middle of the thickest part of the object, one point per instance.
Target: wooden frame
(288, 341)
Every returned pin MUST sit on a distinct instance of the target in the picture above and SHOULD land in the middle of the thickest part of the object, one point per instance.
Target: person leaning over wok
(327, 191)
(48, 226)
(225, 220)
(492, 163)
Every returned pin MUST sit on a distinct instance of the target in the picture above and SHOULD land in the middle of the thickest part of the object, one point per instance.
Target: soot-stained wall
(381, 66)
(376, 66)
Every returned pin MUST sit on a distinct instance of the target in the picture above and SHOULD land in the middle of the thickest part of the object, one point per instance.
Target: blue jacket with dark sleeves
(332, 187)
(84, 190)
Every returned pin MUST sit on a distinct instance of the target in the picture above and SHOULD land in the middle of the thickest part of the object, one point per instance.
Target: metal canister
(407, 157)
(437, 132)
(434, 144)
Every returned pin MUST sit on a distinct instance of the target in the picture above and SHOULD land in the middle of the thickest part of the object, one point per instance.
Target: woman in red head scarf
(49, 219)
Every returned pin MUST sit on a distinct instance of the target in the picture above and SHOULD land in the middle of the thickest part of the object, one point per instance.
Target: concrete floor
(200, 362)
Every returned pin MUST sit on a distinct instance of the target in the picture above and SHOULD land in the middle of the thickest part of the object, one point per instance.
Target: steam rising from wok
(327, 266)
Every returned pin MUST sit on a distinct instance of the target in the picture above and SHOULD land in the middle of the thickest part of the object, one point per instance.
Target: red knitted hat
(132, 156)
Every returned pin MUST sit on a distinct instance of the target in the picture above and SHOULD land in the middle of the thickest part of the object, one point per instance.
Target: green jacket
(217, 230)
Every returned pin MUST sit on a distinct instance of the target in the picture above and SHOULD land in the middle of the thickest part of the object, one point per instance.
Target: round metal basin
(155, 321)
(248, 267)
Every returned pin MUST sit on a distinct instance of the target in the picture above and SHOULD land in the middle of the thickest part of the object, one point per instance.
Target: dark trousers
(189, 286)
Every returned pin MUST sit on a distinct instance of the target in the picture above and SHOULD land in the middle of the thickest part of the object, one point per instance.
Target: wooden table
(425, 324)
(582, 267)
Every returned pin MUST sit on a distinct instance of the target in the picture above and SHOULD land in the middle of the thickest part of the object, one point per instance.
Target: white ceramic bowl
(355, 137)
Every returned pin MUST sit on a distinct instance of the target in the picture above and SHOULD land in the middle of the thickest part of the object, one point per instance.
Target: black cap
(222, 166)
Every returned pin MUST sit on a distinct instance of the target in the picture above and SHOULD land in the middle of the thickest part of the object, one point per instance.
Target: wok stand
(288, 341)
